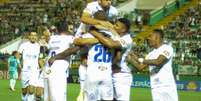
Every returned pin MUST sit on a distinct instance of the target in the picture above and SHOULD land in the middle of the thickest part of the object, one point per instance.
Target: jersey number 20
(102, 54)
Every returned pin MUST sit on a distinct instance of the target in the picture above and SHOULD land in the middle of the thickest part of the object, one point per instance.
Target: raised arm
(108, 42)
(64, 54)
(85, 41)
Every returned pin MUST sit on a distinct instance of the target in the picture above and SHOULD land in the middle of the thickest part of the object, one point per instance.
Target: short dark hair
(159, 32)
(14, 52)
(126, 22)
(100, 15)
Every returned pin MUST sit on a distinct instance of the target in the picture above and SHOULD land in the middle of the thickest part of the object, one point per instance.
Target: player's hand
(133, 56)
(51, 60)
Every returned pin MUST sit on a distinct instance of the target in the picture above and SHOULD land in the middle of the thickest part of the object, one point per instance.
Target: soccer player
(43, 42)
(87, 17)
(122, 77)
(159, 61)
(30, 54)
(13, 65)
(57, 79)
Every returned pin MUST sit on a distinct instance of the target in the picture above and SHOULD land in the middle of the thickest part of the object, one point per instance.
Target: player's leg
(122, 82)
(57, 89)
(25, 84)
(32, 84)
(106, 89)
(164, 94)
(82, 76)
(11, 75)
(58, 81)
(24, 94)
(39, 93)
(91, 90)
(173, 94)
(14, 80)
(31, 91)
(40, 87)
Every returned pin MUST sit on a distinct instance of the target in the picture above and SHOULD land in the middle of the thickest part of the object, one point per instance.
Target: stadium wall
(161, 12)
(11, 46)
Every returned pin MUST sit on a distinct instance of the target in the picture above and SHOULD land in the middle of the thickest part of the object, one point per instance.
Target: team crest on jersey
(102, 68)
(123, 42)
(166, 53)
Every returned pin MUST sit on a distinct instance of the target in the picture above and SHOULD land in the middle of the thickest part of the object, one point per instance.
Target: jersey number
(53, 53)
(102, 54)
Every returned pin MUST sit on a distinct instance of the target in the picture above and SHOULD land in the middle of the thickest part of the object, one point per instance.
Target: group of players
(105, 44)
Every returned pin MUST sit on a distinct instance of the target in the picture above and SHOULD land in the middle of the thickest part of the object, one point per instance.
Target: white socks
(12, 84)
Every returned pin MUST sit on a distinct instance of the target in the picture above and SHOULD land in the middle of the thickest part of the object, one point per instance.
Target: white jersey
(126, 43)
(162, 76)
(59, 43)
(30, 54)
(98, 55)
(92, 8)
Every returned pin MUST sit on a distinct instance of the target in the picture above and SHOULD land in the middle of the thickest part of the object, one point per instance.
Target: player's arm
(8, 63)
(118, 56)
(85, 41)
(87, 19)
(19, 64)
(64, 54)
(133, 60)
(105, 40)
(157, 62)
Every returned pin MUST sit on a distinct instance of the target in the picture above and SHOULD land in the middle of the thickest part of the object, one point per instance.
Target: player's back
(99, 56)
(59, 43)
(12, 63)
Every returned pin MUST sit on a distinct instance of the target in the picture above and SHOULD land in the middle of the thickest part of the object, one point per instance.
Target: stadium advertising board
(189, 85)
(181, 85)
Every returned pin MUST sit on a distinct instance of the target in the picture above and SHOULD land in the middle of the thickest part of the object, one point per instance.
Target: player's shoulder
(25, 44)
(113, 9)
(66, 37)
(127, 38)
(93, 4)
(166, 47)
(87, 35)
(54, 36)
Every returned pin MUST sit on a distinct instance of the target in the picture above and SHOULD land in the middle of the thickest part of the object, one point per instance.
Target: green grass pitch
(137, 94)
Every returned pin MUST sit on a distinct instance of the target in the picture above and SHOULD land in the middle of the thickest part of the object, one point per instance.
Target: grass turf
(137, 94)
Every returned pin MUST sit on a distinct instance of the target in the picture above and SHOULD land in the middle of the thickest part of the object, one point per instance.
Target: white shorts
(98, 85)
(122, 85)
(29, 77)
(57, 81)
(164, 94)
(40, 81)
